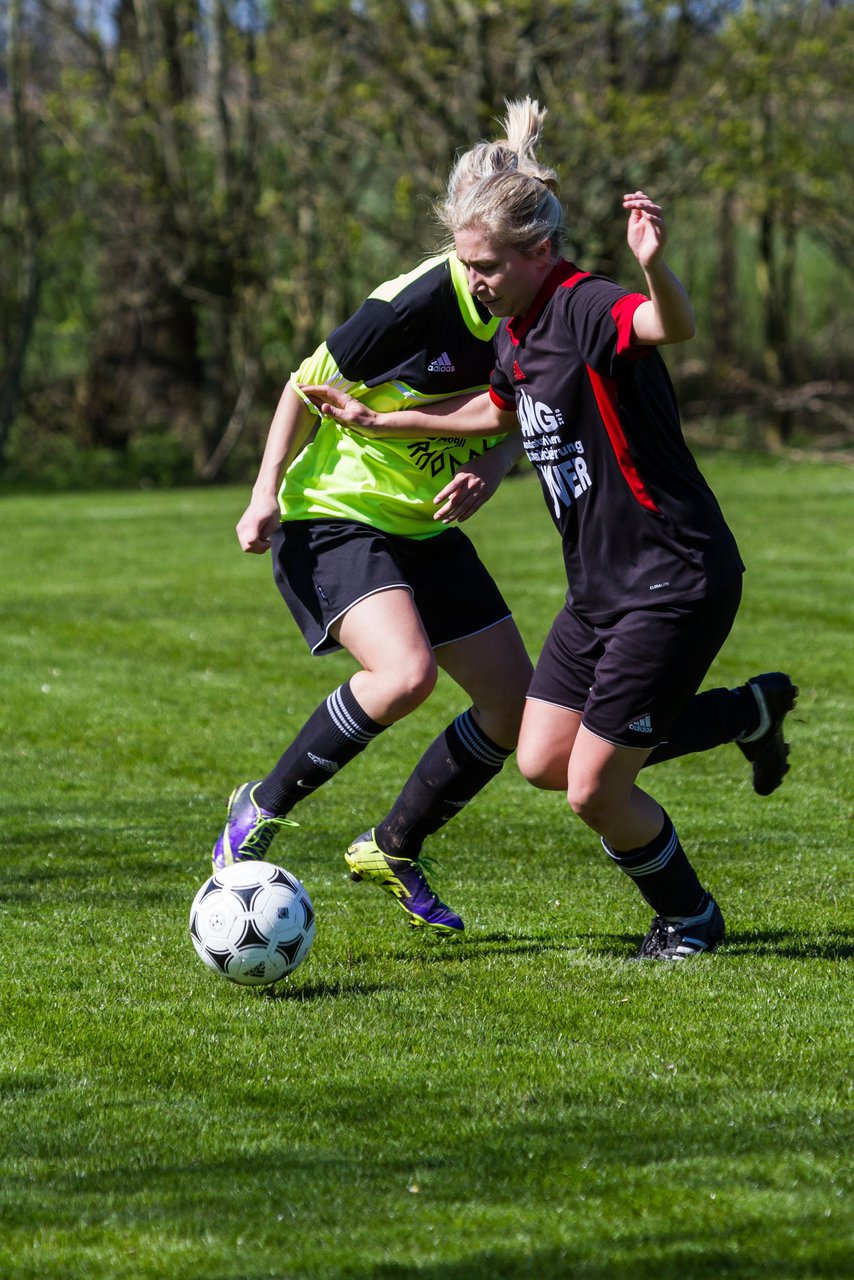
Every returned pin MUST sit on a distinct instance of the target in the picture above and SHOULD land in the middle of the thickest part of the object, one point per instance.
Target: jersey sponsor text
(559, 462)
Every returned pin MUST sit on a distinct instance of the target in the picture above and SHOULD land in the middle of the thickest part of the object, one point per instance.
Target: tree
(194, 196)
(776, 123)
(24, 227)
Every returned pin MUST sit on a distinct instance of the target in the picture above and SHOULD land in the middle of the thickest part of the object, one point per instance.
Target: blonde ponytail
(522, 127)
(501, 187)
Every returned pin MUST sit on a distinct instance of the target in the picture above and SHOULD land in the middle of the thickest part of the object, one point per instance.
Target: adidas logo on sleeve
(442, 364)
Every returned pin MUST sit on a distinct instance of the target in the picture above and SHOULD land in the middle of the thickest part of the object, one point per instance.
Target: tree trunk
(724, 299)
(775, 271)
(23, 153)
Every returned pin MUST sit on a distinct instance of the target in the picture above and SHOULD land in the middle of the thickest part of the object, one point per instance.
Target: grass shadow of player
(471, 946)
(790, 944)
(312, 991)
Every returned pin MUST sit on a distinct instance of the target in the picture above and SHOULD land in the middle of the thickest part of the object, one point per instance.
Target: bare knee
(546, 743)
(590, 801)
(395, 690)
(548, 773)
(415, 682)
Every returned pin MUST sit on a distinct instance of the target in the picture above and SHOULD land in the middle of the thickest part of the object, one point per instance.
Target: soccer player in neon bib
(366, 562)
(653, 571)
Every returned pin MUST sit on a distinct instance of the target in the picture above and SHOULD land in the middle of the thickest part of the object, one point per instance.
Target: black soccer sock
(337, 731)
(709, 720)
(457, 765)
(662, 873)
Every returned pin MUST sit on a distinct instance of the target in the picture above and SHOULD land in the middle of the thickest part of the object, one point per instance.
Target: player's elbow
(675, 331)
(687, 328)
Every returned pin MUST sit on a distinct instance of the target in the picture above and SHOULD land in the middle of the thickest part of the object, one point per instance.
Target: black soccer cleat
(680, 939)
(765, 748)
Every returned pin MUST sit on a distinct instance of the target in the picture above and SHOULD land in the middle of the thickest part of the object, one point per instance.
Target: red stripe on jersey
(623, 313)
(507, 406)
(605, 391)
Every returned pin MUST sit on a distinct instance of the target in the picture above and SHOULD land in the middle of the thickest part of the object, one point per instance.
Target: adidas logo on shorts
(442, 364)
(642, 725)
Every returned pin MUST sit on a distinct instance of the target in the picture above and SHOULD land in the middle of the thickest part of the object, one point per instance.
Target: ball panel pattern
(253, 922)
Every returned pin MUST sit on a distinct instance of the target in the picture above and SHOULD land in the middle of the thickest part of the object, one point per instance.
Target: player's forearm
(668, 316)
(289, 430)
(474, 415)
(510, 449)
(469, 415)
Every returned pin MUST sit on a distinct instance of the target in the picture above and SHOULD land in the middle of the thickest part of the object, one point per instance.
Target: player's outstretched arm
(668, 315)
(473, 415)
(289, 430)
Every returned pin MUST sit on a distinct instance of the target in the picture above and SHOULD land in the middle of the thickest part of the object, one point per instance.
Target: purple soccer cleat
(248, 829)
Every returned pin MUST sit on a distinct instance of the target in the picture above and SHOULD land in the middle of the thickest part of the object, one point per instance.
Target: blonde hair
(522, 127)
(501, 187)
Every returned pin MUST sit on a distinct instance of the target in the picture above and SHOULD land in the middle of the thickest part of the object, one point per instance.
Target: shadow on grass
(558, 1264)
(784, 943)
(335, 1158)
(472, 946)
(836, 945)
(323, 991)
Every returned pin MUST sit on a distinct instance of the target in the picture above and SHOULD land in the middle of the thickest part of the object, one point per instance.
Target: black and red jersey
(600, 423)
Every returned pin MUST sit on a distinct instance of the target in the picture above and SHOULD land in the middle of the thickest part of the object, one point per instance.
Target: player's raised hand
(647, 230)
(334, 403)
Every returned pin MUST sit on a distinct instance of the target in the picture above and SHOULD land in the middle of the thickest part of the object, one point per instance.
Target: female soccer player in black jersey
(653, 571)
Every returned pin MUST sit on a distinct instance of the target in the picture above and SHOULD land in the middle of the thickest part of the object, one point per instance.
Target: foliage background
(193, 192)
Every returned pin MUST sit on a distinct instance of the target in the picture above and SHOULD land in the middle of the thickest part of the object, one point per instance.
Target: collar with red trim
(563, 274)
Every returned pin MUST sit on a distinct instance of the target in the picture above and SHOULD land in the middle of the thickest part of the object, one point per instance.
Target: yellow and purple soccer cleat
(405, 880)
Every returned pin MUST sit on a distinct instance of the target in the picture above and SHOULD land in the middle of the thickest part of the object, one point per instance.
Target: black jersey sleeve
(375, 339)
(599, 316)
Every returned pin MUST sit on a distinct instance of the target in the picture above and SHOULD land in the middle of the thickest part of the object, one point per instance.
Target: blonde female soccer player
(653, 571)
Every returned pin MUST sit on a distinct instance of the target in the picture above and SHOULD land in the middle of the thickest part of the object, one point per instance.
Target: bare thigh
(557, 753)
(385, 635)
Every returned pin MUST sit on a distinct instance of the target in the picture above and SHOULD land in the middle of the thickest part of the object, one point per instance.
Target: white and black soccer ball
(253, 922)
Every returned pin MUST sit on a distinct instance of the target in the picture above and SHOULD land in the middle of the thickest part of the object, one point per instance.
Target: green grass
(524, 1102)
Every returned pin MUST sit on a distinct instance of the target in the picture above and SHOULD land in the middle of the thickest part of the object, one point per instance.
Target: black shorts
(323, 567)
(631, 678)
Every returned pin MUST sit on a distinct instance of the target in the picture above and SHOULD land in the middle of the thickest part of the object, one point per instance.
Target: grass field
(528, 1101)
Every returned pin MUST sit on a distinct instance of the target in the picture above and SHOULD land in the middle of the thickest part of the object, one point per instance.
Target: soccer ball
(253, 922)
